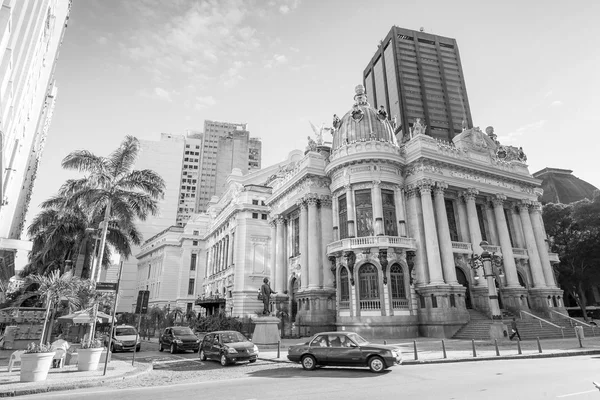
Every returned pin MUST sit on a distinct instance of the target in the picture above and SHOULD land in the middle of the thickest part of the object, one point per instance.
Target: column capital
(535, 207)
(279, 219)
(376, 183)
(326, 200)
(348, 187)
(312, 200)
(425, 186)
(498, 200)
(411, 191)
(524, 204)
(469, 194)
(440, 188)
(301, 203)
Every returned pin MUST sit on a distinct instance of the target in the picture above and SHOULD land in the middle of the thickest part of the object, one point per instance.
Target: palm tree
(177, 312)
(51, 289)
(62, 232)
(113, 188)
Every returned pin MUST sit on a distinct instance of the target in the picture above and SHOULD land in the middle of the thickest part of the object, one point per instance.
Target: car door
(342, 351)
(166, 338)
(206, 345)
(319, 348)
(216, 346)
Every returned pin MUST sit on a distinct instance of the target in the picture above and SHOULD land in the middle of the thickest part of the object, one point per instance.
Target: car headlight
(197, 340)
(255, 349)
(177, 341)
(118, 343)
(231, 350)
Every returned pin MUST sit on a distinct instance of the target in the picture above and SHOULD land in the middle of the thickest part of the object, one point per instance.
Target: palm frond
(146, 181)
(140, 204)
(84, 161)
(121, 160)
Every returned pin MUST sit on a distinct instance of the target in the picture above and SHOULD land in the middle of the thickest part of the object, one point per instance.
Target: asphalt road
(551, 378)
(150, 352)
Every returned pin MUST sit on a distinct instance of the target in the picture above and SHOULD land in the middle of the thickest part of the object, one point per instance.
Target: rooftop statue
(312, 145)
(382, 114)
(337, 122)
(418, 128)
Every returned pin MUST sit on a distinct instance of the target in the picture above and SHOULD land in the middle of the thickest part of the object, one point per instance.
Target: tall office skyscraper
(213, 132)
(31, 33)
(419, 75)
(190, 176)
(236, 150)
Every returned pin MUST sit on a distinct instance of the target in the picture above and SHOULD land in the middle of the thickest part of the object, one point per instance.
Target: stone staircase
(529, 328)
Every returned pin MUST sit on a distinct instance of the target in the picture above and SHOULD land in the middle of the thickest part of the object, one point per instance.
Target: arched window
(397, 278)
(368, 281)
(344, 289)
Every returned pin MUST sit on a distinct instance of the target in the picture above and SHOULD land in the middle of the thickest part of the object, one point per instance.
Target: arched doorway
(294, 302)
(462, 279)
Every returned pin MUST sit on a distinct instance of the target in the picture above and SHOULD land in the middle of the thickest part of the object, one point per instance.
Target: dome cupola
(362, 123)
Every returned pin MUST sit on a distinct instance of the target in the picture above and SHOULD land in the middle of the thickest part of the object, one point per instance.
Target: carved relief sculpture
(332, 260)
(383, 260)
(350, 261)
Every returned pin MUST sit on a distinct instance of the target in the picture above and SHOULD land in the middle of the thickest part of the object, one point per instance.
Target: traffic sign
(142, 302)
(106, 286)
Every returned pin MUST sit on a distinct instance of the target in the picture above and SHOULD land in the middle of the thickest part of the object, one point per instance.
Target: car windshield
(125, 331)
(232, 337)
(182, 331)
(357, 339)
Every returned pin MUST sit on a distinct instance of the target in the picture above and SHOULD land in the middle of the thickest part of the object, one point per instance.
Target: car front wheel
(224, 361)
(202, 356)
(309, 363)
(173, 348)
(376, 364)
(160, 348)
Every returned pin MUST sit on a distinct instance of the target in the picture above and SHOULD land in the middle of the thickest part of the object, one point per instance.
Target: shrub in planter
(36, 362)
(89, 355)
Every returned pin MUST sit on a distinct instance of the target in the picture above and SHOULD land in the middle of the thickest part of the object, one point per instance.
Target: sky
(142, 67)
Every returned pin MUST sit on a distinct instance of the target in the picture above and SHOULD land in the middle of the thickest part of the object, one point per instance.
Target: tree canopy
(574, 233)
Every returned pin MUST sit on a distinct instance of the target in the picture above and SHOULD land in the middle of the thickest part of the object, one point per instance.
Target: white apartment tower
(31, 33)
(190, 176)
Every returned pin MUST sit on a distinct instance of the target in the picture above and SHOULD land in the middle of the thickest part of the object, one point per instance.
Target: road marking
(576, 394)
(178, 361)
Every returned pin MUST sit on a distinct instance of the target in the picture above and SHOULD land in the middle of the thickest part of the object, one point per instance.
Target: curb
(474, 359)
(142, 369)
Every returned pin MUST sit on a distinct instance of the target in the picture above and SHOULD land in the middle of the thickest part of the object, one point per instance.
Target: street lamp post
(487, 261)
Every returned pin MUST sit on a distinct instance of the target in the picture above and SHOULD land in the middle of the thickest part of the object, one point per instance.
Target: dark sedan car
(227, 347)
(178, 338)
(344, 349)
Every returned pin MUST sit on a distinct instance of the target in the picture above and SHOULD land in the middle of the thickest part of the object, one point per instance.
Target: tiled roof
(561, 186)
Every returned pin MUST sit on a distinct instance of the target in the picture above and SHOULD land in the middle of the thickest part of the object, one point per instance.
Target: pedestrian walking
(515, 329)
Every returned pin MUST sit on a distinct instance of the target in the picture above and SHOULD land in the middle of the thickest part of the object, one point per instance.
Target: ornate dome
(560, 186)
(362, 123)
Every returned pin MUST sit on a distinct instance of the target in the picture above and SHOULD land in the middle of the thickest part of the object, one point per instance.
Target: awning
(207, 302)
(85, 317)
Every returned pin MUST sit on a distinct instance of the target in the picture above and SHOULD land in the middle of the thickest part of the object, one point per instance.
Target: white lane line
(178, 361)
(576, 394)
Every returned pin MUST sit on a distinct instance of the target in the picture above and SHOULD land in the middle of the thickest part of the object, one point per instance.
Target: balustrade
(399, 304)
(344, 305)
(370, 305)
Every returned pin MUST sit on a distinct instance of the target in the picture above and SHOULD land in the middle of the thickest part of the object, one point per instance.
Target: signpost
(112, 323)
(141, 307)
(106, 286)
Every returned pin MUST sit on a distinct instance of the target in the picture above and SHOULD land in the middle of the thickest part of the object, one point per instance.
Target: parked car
(347, 349)
(228, 347)
(125, 337)
(178, 338)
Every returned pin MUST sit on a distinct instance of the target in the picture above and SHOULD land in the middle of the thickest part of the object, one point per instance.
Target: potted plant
(36, 362)
(89, 355)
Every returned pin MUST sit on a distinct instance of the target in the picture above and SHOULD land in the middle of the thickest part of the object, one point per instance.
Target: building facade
(419, 75)
(190, 177)
(213, 132)
(30, 37)
(376, 236)
(236, 150)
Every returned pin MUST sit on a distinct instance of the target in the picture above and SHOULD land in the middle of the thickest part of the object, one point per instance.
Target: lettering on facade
(483, 179)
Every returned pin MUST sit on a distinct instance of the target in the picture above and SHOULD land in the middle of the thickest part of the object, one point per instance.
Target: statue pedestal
(266, 331)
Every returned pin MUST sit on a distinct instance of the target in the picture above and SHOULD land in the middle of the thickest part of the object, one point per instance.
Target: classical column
(303, 244)
(443, 231)
(280, 284)
(351, 211)
(335, 218)
(273, 255)
(377, 208)
(314, 247)
(230, 250)
(432, 246)
(463, 225)
(473, 222)
(326, 238)
(415, 231)
(489, 216)
(400, 213)
(534, 259)
(510, 268)
(517, 229)
(540, 240)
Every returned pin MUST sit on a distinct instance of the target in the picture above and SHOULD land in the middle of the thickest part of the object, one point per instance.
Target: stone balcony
(367, 242)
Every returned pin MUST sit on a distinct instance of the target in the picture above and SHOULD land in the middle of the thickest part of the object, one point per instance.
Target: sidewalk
(67, 378)
(430, 350)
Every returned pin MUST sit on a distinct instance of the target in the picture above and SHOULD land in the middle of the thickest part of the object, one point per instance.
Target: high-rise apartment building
(213, 132)
(236, 150)
(419, 75)
(31, 33)
(190, 176)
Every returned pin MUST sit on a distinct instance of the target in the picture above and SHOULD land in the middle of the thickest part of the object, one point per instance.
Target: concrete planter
(88, 359)
(35, 366)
